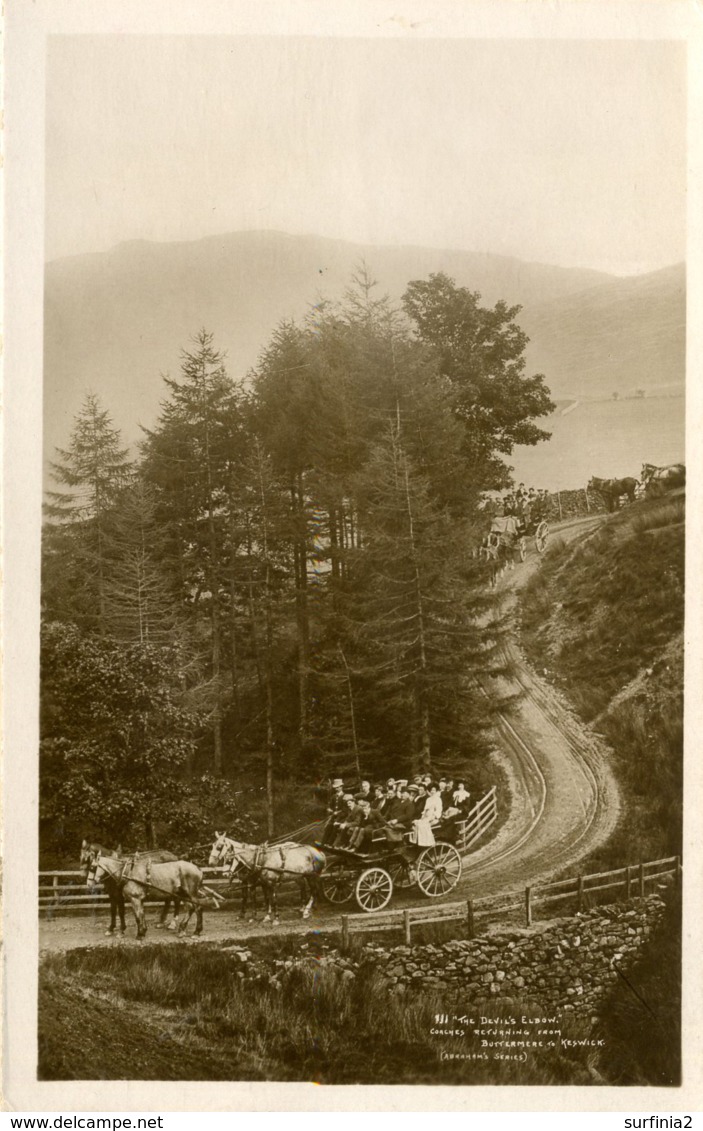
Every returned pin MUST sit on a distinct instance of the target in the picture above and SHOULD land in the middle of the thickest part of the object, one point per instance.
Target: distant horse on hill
(611, 490)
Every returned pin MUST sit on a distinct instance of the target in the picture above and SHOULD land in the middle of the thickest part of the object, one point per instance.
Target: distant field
(604, 438)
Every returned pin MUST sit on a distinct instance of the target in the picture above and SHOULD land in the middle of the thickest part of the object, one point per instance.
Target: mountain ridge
(115, 321)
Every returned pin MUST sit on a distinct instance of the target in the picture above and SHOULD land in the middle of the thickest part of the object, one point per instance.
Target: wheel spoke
(439, 870)
(373, 889)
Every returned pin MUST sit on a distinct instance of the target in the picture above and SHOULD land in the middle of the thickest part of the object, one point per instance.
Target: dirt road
(564, 799)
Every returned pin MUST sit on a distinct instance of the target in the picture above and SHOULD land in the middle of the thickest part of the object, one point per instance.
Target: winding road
(564, 799)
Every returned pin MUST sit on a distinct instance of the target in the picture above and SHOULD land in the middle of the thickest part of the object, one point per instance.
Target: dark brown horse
(612, 490)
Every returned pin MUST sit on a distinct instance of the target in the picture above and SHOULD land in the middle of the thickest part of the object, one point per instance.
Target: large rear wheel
(374, 889)
(541, 535)
(438, 870)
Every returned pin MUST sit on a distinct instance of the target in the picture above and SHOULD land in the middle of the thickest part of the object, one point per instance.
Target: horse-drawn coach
(339, 874)
(507, 540)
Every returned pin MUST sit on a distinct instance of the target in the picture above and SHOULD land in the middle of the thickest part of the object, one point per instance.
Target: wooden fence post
(580, 893)
(679, 874)
(528, 906)
(345, 932)
(628, 889)
(470, 922)
(561, 516)
(55, 884)
(642, 880)
(406, 926)
(588, 504)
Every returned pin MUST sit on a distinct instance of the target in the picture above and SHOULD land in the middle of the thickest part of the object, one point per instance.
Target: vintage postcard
(352, 676)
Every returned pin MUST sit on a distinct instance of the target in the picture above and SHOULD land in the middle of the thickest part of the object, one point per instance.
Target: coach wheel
(374, 889)
(337, 882)
(438, 870)
(541, 535)
(522, 549)
(401, 875)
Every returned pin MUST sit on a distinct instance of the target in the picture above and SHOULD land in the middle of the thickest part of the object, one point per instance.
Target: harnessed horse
(266, 865)
(140, 878)
(90, 851)
(610, 490)
(501, 546)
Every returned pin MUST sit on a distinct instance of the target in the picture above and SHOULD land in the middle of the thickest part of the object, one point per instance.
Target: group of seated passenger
(389, 812)
(526, 504)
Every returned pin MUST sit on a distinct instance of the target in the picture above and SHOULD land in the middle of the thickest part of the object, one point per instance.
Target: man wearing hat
(351, 819)
(401, 812)
(335, 810)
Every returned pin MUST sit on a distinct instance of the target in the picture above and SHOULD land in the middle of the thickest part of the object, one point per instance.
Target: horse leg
(163, 916)
(267, 890)
(198, 920)
(137, 902)
(311, 885)
(184, 919)
(120, 909)
(174, 914)
(112, 894)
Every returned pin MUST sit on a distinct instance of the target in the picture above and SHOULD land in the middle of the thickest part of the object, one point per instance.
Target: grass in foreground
(182, 1013)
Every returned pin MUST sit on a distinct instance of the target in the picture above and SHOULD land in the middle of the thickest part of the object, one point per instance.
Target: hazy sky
(557, 151)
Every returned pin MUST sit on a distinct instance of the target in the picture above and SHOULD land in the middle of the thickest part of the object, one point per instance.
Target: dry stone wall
(566, 965)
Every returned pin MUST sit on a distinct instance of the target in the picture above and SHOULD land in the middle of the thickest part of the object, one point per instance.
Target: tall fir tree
(94, 469)
(188, 457)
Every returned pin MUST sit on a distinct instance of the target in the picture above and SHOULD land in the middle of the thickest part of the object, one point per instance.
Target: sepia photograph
(360, 624)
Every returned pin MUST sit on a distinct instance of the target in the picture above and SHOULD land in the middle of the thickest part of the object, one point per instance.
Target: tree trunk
(423, 714)
(303, 624)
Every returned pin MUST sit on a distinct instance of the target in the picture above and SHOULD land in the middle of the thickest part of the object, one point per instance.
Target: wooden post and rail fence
(582, 892)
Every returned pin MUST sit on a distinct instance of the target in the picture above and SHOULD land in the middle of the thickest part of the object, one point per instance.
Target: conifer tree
(94, 469)
(187, 457)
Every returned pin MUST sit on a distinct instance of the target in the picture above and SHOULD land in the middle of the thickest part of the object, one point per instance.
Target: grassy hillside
(618, 336)
(604, 620)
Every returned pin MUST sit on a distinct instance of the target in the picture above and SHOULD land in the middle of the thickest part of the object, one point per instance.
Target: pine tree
(141, 605)
(417, 609)
(188, 457)
(95, 469)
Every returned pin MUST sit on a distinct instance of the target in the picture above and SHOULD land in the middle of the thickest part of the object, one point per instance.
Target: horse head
(220, 851)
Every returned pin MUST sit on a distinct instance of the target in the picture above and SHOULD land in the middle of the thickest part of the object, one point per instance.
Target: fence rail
(56, 896)
(480, 818)
(630, 879)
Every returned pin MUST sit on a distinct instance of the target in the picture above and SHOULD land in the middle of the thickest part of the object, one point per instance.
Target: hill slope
(114, 322)
(605, 620)
(619, 336)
